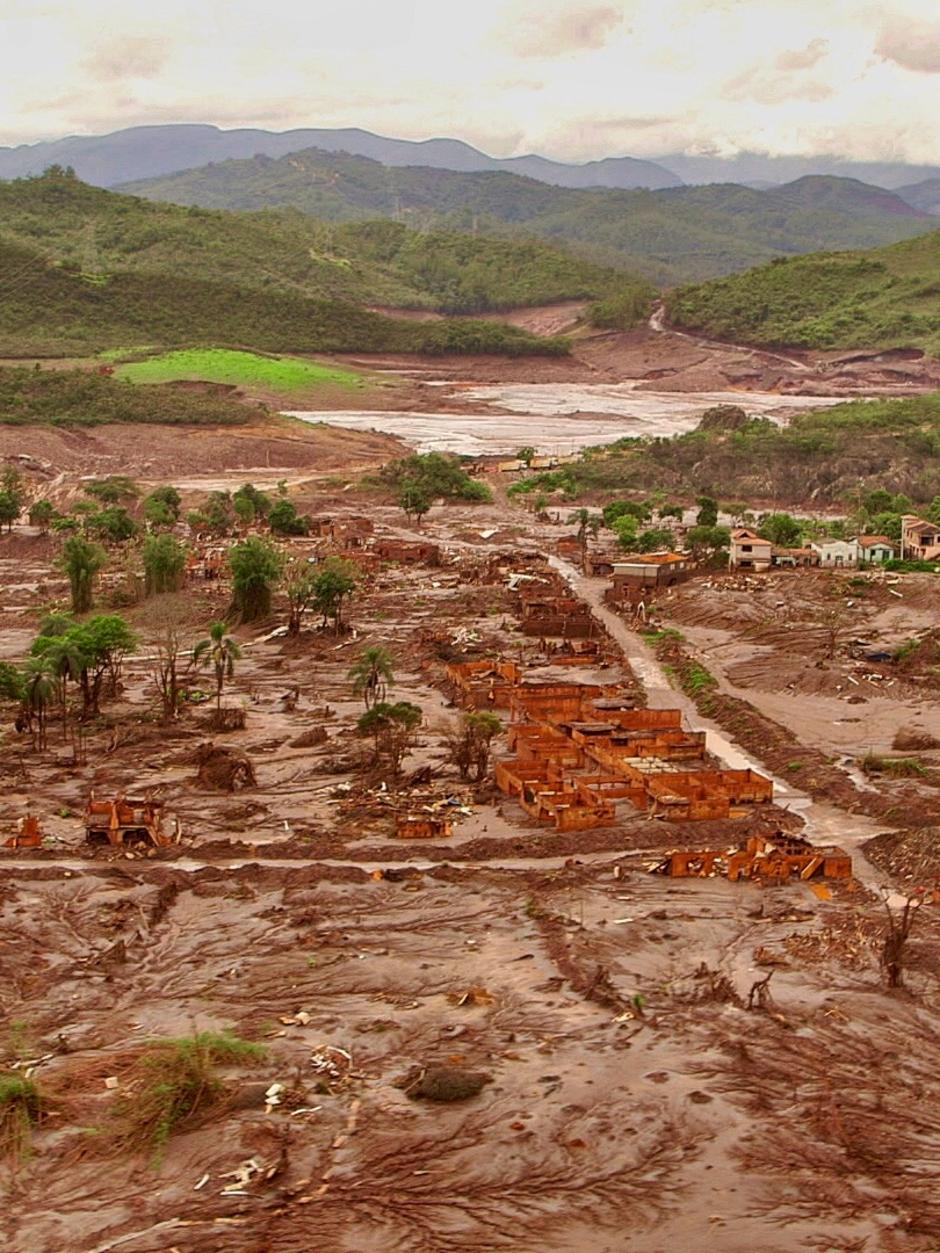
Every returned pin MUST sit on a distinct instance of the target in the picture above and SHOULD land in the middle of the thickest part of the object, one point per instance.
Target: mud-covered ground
(633, 1098)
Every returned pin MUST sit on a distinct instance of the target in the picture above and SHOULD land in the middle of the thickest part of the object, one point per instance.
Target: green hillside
(52, 311)
(825, 457)
(96, 232)
(83, 398)
(677, 234)
(885, 298)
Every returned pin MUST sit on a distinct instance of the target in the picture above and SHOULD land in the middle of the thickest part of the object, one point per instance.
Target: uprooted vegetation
(173, 1082)
(21, 1107)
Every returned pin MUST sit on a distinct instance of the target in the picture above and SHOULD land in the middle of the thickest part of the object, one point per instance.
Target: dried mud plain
(633, 1099)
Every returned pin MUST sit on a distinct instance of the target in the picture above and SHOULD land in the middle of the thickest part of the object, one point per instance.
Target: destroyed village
(469, 652)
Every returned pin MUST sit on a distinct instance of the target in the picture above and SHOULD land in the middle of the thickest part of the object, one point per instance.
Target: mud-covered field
(628, 1084)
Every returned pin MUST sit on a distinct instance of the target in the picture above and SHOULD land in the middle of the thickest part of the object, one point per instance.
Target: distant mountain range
(144, 152)
(670, 235)
(152, 151)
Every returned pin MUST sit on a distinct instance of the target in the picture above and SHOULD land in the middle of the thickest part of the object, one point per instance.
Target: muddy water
(558, 418)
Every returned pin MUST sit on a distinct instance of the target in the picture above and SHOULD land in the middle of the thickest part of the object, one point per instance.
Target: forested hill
(883, 298)
(83, 268)
(672, 235)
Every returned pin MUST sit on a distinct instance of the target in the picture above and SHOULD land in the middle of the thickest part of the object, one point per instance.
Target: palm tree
(372, 675)
(222, 651)
(39, 691)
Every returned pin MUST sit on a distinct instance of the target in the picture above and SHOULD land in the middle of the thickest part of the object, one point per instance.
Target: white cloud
(574, 79)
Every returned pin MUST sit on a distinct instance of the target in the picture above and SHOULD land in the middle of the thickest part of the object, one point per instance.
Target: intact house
(920, 540)
(836, 552)
(750, 551)
(874, 549)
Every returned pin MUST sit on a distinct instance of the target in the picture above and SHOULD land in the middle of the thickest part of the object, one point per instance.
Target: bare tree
(900, 921)
(170, 666)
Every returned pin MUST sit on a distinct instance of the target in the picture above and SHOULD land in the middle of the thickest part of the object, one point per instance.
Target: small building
(874, 549)
(794, 557)
(836, 553)
(920, 540)
(652, 570)
(749, 551)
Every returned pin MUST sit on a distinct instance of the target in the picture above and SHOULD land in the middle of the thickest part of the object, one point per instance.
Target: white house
(875, 549)
(836, 552)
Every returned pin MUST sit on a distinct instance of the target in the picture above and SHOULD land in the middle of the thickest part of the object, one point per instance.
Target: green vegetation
(896, 767)
(827, 455)
(80, 398)
(164, 560)
(392, 729)
(422, 478)
(220, 651)
(470, 742)
(81, 562)
(333, 584)
(256, 569)
(21, 1106)
(240, 369)
(886, 298)
(677, 234)
(174, 1081)
(86, 271)
(372, 675)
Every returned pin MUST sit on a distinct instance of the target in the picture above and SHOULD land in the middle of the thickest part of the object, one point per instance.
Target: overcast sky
(573, 79)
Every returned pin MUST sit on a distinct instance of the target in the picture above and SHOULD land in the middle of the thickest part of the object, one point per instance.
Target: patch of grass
(663, 636)
(895, 767)
(696, 679)
(795, 765)
(241, 369)
(176, 1080)
(21, 1107)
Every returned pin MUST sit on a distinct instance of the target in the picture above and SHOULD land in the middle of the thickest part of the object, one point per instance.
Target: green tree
(332, 585)
(670, 510)
(617, 509)
(260, 501)
(625, 528)
(41, 515)
(38, 693)
(164, 564)
(300, 589)
(284, 519)
(10, 509)
(372, 675)
(81, 560)
(113, 525)
(707, 541)
(415, 501)
(654, 539)
(256, 567)
(526, 455)
(470, 744)
(221, 651)
(781, 529)
(162, 506)
(707, 511)
(392, 729)
(216, 517)
(113, 489)
(88, 652)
